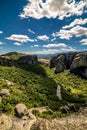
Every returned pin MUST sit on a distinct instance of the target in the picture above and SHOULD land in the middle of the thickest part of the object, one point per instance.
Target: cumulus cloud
(76, 22)
(17, 44)
(1, 43)
(84, 41)
(68, 49)
(52, 8)
(62, 47)
(43, 37)
(31, 31)
(1, 32)
(55, 45)
(20, 38)
(76, 31)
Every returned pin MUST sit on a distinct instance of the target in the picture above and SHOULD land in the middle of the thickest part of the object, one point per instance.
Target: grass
(35, 86)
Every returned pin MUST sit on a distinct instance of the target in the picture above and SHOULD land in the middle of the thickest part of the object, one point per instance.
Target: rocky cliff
(75, 62)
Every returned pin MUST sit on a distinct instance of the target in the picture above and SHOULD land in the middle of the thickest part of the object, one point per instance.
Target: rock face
(29, 59)
(79, 64)
(73, 122)
(75, 62)
(6, 61)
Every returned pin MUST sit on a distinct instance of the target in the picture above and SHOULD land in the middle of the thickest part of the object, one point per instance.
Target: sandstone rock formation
(75, 62)
(29, 59)
(79, 64)
(76, 121)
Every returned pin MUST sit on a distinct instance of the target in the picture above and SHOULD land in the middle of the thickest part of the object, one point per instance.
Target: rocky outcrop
(75, 62)
(73, 122)
(29, 59)
(6, 61)
(79, 64)
(76, 121)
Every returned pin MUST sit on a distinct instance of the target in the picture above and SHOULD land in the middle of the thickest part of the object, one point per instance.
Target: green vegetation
(35, 86)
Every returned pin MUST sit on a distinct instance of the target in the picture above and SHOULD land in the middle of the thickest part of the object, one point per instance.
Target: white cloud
(35, 45)
(31, 31)
(43, 37)
(1, 32)
(55, 45)
(76, 31)
(52, 51)
(53, 8)
(84, 41)
(1, 43)
(68, 49)
(76, 22)
(17, 44)
(53, 39)
(49, 51)
(20, 38)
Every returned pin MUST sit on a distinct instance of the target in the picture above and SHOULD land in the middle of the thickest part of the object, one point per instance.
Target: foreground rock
(76, 121)
(21, 110)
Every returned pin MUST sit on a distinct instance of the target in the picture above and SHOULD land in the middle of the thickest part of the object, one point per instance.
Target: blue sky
(43, 26)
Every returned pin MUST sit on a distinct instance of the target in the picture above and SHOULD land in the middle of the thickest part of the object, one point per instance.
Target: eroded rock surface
(76, 121)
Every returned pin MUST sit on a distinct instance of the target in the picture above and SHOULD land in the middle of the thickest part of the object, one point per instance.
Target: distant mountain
(16, 55)
(13, 55)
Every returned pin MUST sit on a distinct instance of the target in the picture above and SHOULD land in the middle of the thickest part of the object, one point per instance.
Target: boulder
(4, 92)
(21, 110)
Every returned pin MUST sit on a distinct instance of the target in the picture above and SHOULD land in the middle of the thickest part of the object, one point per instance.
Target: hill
(13, 55)
(36, 86)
